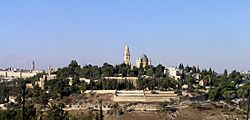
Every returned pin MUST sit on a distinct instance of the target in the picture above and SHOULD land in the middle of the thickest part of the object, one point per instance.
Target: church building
(142, 61)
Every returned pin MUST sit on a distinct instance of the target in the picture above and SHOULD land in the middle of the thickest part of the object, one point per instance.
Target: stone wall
(138, 95)
(101, 91)
(144, 96)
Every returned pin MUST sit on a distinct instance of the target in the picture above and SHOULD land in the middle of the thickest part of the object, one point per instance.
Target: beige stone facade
(19, 74)
(144, 96)
(143, 61)
(173, 72)
(127, 56)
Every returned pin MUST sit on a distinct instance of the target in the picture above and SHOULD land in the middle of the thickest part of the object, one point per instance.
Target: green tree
(83, 87)
(194, 70)
(3, 92)
(228, 95)
(134, 72)
(57, 113)
(150, 71)
(107, 69)
(198, 70)
(242, 92)
(225, 74)
(214, 94)
(159, 72)
(123, 69)
(86, 71)
(235, 76)
(187, 69)
(141, 71)
(96, 72)
(10, 114)
(190, 81)
(30, 112)
(74, 69)
(181, 66)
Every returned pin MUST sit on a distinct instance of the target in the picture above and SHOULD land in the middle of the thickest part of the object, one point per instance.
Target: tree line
(221, 86)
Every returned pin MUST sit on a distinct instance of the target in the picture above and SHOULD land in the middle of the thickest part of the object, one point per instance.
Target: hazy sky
(208, 33)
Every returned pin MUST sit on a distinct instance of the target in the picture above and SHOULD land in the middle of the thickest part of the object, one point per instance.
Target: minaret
(126, 55)
(33, 66)
(49, 70)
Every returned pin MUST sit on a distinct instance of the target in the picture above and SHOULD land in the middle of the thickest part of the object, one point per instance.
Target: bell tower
(127, 56)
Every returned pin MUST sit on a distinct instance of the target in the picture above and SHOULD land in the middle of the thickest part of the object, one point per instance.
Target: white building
(197, 76)
(173, 73)
(18, 74)
(85, 80)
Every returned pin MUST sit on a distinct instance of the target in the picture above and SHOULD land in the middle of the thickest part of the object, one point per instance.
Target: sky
(204, 33)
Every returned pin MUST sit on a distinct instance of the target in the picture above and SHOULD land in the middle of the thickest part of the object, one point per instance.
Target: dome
(144, 57)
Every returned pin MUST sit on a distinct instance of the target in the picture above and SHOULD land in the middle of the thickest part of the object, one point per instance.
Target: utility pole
(91, 81)
(248, 102)
(23, 88)
(7, 91)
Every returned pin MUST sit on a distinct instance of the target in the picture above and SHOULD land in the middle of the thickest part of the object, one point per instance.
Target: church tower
(126, 55)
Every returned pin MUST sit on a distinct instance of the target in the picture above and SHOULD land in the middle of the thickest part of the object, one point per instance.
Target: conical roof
(144, 57)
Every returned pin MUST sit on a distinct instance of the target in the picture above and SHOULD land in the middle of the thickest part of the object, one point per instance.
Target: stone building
(19, 73)
(143, 61)
(174, 73)
(127, 56)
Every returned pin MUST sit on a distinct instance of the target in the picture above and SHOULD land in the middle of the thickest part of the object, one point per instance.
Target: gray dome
(144, 57)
